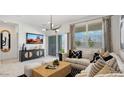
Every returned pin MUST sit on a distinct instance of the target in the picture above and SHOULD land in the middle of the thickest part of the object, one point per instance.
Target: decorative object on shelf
(51, 26)
(5, 41)
(60, 54)
(23, 47)
(56, 62)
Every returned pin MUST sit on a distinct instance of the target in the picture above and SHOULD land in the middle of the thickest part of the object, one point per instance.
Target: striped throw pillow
(113, 64)
(106, 70)
(96, 67)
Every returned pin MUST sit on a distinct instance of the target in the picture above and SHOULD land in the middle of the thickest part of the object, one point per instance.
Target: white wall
(12, 54)
(25, 28)
(116, 33)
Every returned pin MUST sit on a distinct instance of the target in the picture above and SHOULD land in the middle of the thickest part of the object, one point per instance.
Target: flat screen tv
(34, 38)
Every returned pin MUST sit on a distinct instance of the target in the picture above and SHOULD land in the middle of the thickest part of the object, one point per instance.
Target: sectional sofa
(107, 70)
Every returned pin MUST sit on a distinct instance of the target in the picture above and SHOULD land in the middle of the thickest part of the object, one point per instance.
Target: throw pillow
(101, 52)
(106, 70)
(96, 67)
(76, 54)
(108, 58)
(106, 54)
(95, 58)
(113, 64)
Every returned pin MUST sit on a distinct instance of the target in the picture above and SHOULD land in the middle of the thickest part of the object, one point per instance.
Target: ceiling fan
(51, 26)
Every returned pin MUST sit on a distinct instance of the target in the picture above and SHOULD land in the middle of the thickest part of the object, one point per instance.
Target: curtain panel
(72, 28)
(107, 33)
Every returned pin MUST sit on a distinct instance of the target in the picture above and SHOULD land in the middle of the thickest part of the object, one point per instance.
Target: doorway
(52, 45)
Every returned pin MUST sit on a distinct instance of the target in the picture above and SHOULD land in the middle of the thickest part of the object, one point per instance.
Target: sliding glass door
(57, 44)
(52, 45)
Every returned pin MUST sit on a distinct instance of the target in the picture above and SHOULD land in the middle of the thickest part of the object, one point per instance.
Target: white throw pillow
(119, 61)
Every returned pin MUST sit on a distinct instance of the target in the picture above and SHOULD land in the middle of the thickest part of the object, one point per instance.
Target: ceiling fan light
(50, 26)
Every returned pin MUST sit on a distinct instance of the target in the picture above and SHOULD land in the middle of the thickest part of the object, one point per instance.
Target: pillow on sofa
(106, 70)
(101, 51)
(105, 54)
(75, 54)
(96, 67)
(113, 64)
(95, 58)
(119, 62)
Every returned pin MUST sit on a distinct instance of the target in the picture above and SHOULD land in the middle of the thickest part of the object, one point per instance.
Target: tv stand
(30, 54)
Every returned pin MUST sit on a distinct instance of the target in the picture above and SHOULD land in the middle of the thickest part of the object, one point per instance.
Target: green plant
(62, 51)
(91, 43)
(78, 43)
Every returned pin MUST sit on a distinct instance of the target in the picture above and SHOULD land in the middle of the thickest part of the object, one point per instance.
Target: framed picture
(34, 38)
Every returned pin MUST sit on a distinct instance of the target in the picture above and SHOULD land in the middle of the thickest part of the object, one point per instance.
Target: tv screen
(34, 38)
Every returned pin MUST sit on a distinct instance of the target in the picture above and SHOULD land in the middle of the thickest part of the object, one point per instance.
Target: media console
(30, 54)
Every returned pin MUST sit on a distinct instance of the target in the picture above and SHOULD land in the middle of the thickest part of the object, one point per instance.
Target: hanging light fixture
(51, 26)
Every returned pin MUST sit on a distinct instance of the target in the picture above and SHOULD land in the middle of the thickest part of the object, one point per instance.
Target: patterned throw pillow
(75, 54)
(113, 64)
(96, 67)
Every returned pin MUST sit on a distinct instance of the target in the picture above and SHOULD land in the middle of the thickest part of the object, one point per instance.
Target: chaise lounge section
(107, 70)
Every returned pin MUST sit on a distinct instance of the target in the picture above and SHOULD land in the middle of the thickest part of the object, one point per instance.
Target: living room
(67, 46)
(31, 41)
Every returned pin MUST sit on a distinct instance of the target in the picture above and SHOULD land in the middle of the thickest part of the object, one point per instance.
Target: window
(95, 35)
(89, 35)
(80, 36)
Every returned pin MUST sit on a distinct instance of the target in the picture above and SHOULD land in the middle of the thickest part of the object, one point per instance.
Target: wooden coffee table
(62, 70)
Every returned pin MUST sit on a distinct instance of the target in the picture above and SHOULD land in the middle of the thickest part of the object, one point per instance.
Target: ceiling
(38, 20)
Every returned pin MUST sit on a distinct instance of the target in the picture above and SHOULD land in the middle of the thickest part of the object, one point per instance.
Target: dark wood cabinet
(30, 54)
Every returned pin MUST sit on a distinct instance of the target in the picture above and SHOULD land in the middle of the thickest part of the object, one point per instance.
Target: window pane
(80, 37)
(95, 35)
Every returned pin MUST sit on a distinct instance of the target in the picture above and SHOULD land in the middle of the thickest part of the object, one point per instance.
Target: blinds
(95, 26)
(81, 28)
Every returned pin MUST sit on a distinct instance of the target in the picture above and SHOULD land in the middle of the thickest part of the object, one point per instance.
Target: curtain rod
(91, 19)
